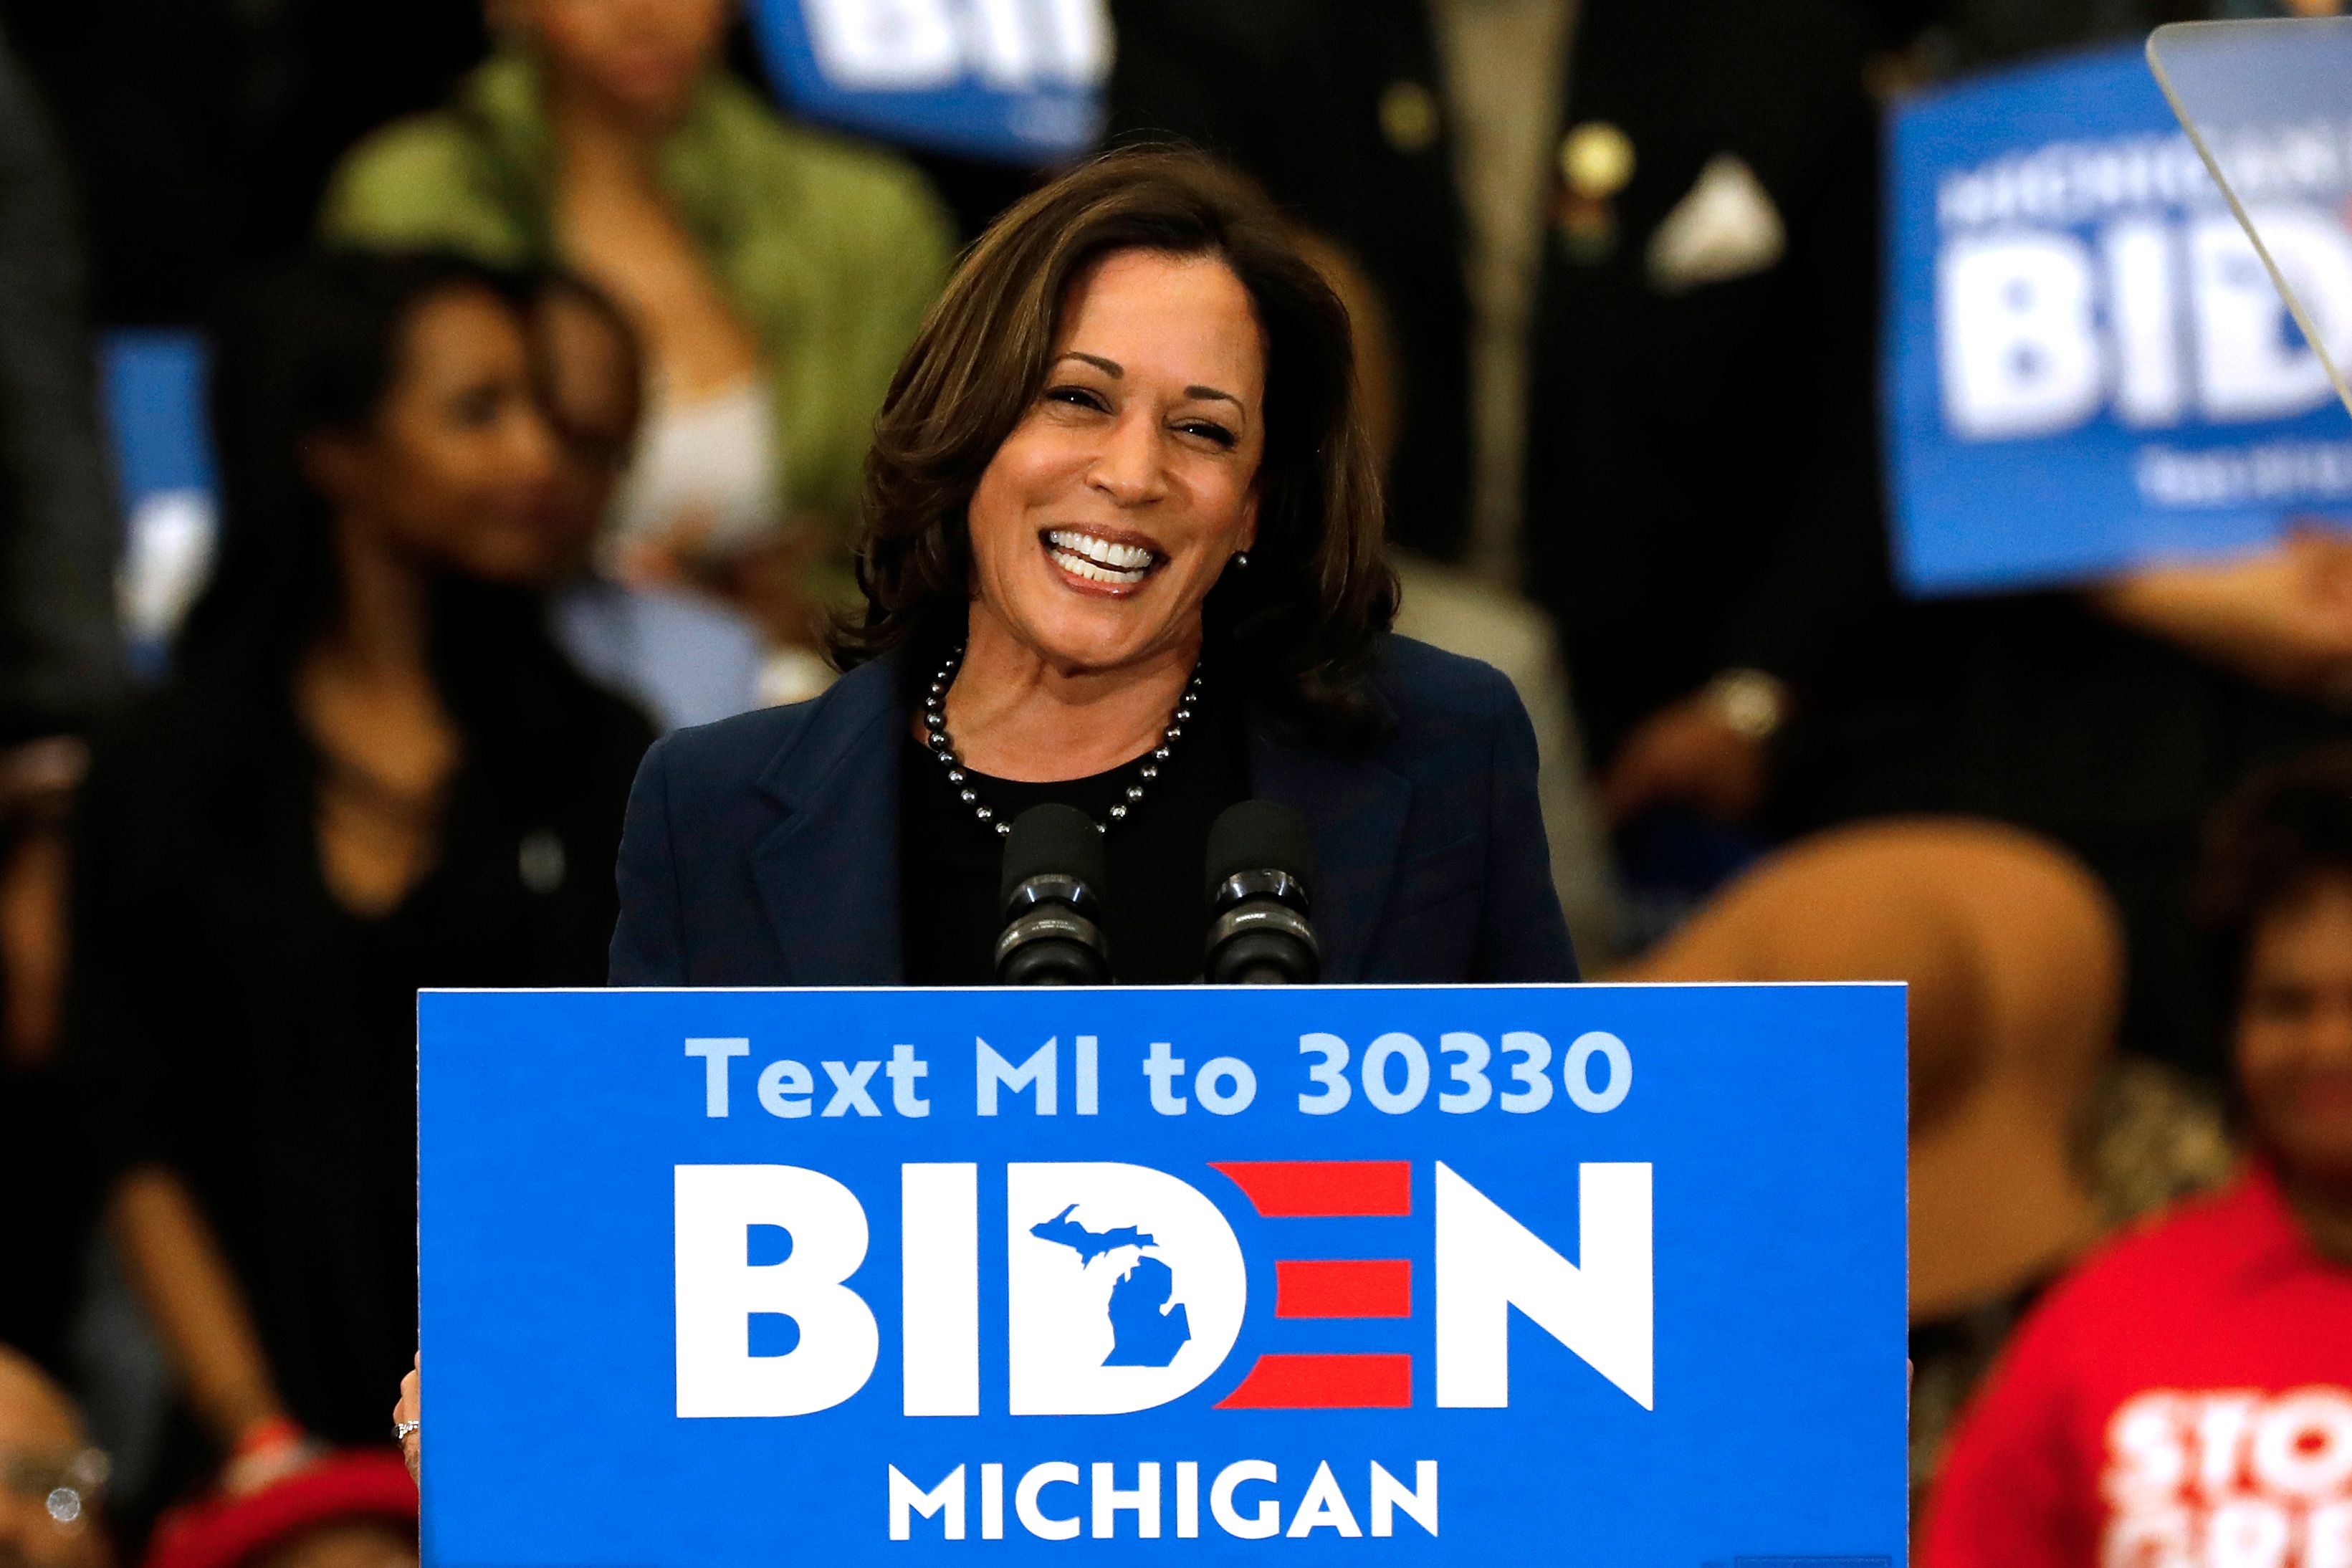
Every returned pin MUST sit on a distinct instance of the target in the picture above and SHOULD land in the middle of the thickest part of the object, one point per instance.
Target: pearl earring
(1241, 559)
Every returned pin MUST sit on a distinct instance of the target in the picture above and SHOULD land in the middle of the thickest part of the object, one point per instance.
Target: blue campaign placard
(153, 389)
(152, 385)
(1600, 1276)
(2087, 367)
(1018, 81)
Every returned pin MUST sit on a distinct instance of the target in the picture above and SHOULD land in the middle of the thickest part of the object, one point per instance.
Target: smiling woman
(1123, 494)
(1120, 550)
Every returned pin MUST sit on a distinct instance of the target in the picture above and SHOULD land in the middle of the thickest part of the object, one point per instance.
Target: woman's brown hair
(1301, 620)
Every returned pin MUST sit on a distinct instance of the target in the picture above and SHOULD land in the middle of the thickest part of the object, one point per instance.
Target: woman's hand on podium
(407, 1425)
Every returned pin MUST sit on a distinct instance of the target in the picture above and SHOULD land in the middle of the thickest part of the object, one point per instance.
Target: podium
(1599, 1277)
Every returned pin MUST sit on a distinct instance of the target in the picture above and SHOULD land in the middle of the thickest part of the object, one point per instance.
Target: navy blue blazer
(764, 850)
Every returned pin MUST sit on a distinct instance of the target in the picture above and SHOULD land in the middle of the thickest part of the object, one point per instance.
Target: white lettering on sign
(2232, 1478)
(991, 1071)
(1260, 1522)
(1142, 1501)
(2039, 330)
(1577, 1072)
(938, 1288)
(944, 1503)
(885, 45)
(2252, 362)
(1518, 1075)
(1324, 1504)
(1598, 1307)
(1390, 1498)
(2143, 280)
(1126, 1288)
(716, 1054)
(1396, 1069)
(719, 1290)
(2065, 183)
(907, 1072)
(1028, 1496)
(912, 45)
(2271, 473)
(785, 1090)
(2021, 353)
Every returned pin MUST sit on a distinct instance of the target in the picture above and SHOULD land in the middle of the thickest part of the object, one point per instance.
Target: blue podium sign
(2087, 366)
(1602, 1276)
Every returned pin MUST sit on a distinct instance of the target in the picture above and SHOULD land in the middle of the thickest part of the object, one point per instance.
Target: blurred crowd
(544, 342)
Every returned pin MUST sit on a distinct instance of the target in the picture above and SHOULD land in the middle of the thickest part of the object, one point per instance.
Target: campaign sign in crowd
(2088, 365)
(1586, 1276)
(1017, 80)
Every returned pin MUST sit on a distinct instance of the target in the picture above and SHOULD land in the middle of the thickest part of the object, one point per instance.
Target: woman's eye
(477, 406)
(1210, 430)
(1076, 398)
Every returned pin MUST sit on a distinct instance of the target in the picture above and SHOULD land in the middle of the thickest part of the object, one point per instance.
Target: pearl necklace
(935, 728)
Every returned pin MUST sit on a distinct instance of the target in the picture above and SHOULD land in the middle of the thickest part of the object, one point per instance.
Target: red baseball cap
(221, 1531)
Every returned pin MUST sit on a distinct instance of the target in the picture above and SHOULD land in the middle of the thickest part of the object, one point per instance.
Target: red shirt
(2183, 1401)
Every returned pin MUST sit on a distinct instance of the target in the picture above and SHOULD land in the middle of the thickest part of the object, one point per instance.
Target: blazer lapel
(1356, 810)
(828, 873)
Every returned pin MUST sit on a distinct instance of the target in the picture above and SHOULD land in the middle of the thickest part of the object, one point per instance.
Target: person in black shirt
(370, 772)
(949, 867)
(60, 669)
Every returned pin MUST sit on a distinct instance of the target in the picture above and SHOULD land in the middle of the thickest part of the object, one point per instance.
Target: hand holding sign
(2091, 367)
(2280, 617)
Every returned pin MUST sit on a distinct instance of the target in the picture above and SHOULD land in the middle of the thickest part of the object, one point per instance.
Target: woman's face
(2294, 1032)
(456, 466)
(1103, 521)
(588, 389)
(641, 57)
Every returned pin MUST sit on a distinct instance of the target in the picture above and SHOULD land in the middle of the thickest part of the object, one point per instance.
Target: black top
(765, 849)
(1154, 917)
(233, 1020)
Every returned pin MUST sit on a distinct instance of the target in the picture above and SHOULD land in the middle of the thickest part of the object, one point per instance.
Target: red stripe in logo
(1324, 1189)
(1343, 1287)
(1325, 1383)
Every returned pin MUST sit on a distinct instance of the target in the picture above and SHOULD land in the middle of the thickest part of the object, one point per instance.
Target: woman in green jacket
(775, 273)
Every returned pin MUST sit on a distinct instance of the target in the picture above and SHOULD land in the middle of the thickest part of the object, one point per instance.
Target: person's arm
(176, 1266)
(128, 1072)
(649, 939)
(1522, 934)
(413, 187)
(2280, 617)
(1711, 749)
(1826, 580)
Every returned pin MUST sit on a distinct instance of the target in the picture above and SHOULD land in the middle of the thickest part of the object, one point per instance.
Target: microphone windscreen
(1052, 841)
(1260, 836)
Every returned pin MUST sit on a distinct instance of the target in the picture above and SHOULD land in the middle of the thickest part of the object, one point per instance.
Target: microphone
(1261, 861)
(1052, 894)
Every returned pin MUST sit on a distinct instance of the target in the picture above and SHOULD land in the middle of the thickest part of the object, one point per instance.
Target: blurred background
(408, 408)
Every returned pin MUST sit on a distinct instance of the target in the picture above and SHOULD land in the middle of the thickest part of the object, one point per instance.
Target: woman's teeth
(1099, 559)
